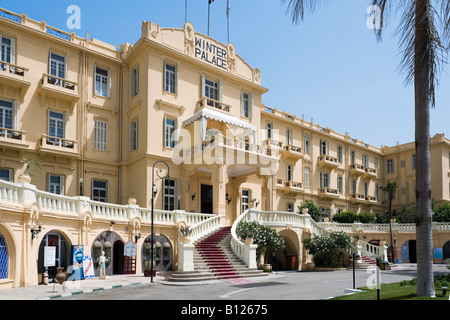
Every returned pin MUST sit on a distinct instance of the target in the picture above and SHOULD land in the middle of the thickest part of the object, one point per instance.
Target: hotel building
(97, 118)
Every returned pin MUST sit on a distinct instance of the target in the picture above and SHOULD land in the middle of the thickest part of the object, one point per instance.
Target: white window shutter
(13, 51)
(61, 185)
(242, 104)
(203, 85)
(109, 84)
(15, 114)
(176, 79)
(66, 63)
(132, 82)
(220, 93)
(50, 62)
(250, 106)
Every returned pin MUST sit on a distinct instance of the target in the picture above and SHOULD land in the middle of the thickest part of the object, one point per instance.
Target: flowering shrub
(264, 237)
(326, 249)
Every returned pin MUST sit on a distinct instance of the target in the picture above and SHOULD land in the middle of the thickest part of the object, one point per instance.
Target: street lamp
(158, 174)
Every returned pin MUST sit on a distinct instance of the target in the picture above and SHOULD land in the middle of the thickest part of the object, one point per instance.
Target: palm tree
(390, 188)
(424, 34)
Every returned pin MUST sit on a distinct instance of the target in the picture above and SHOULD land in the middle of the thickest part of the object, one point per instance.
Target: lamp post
(158, 174)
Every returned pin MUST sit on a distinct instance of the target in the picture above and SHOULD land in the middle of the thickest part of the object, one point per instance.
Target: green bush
(313, 210)
(442, 212)
(325, 250)
(345, 217)
(366, 217)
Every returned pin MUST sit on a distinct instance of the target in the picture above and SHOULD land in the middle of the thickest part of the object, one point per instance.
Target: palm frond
(297, 8)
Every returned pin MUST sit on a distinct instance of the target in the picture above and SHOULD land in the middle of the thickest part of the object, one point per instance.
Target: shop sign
(438, 253)
(88, 267)
(210, 53)
(49, 256)
(77, 262)
(130, 249)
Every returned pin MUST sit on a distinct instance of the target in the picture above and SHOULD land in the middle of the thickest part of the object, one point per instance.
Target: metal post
(354, 282)
(152, 222)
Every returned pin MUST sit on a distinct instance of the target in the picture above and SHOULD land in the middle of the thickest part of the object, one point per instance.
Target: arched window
(4, 259)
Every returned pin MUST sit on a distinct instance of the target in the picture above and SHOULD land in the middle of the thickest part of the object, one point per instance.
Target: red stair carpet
(214, 256)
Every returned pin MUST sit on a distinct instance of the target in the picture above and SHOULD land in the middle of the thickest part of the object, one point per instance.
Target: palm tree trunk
(425, 280)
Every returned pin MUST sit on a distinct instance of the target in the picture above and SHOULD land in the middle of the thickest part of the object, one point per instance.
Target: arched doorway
(118, 257)
(112, 245)
(55, 246)
(408, 252)
(288, 257)
(4, 258)
(446, 250)
(163, 256)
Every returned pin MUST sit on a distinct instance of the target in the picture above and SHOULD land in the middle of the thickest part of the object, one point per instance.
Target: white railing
(9, 192)
(206, 227)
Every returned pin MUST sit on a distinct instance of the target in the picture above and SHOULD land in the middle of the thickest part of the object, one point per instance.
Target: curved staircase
(214, 260)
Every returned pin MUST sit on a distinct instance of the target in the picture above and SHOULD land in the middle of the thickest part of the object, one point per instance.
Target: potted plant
(25, 177)
(131, 198)
(186, 233)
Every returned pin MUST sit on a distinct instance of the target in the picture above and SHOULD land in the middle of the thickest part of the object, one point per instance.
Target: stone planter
(132, 201)
(186, 239)
(24, 178)
(248, 240)
(60, 276)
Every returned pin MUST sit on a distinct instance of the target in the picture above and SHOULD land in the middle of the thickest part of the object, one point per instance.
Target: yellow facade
(97, 118)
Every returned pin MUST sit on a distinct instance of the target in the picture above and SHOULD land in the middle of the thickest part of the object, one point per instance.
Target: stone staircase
(215, 260)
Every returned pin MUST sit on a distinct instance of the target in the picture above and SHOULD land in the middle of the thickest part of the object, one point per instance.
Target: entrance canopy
(205, 114)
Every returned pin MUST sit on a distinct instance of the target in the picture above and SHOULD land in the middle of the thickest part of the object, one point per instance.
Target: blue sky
(329, 68)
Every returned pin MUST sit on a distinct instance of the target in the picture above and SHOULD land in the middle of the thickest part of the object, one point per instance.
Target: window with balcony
(211, 89)
(100, 190)
(352, 157)
(323, 147)
(288, 137)
(269, 130)
(6, 117)
(289, 207)
(7, 51)
(55, 184)
(324, 180)
(100, 135)
(288, 172)
(170, 194)
(339, 154)
(340, 184)
(365, 160)
(354, 187)
(56, 128)
(57, 69)
(7, 174)
(170, 77)
(102, 82)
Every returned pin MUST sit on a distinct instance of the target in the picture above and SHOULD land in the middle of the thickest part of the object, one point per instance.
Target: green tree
(313, 210)
(424, 34)
(442, 212)
(390, 188)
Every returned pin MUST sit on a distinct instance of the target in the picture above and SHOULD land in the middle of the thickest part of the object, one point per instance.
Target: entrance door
(206, 199)
(118, 257)
(412, 251)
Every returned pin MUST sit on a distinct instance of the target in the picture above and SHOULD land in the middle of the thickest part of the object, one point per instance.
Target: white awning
(205, 114)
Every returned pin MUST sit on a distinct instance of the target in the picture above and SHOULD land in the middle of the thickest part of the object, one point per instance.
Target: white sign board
(49, 256)
(88, 267)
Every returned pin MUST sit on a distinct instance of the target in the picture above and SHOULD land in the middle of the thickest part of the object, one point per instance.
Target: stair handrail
(237, 245)
(203, 228)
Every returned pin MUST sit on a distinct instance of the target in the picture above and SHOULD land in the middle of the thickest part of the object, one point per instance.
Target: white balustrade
(9, 192)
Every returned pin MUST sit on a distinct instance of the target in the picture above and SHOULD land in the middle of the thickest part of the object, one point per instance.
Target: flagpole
(228, 20)
(185, 11)
(209, 6)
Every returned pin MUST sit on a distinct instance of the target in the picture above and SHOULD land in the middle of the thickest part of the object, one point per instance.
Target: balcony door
(56, 124)
(206, 199)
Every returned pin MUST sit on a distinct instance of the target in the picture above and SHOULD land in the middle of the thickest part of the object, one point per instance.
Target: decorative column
(219, 177)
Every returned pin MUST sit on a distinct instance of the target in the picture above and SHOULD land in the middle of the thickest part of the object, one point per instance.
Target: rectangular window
(413, 161)
(375, 163)
(56, 128)
(339, 154)
(390, 166)
(211, 89)
(288, 172)
(365, 160)
(245, 197)
(100, 190)
(170, 198)
(245, 105)
(323, 147)
(55, 184)
(354, 188)
(170, 74)
(307, 144)
(134, 133)
(7, 175)
(377, 188)
(288, 137)
(366, 189)
(6, 116)
(340, 184)
(7, 51)
(324, 180)
(169, 128)
(134, 81)
(100, 135)
(352, 157)
(306, 177)
(289, 207)
(402, 164)
(102, 82)
(57, 68)
(269, 128)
